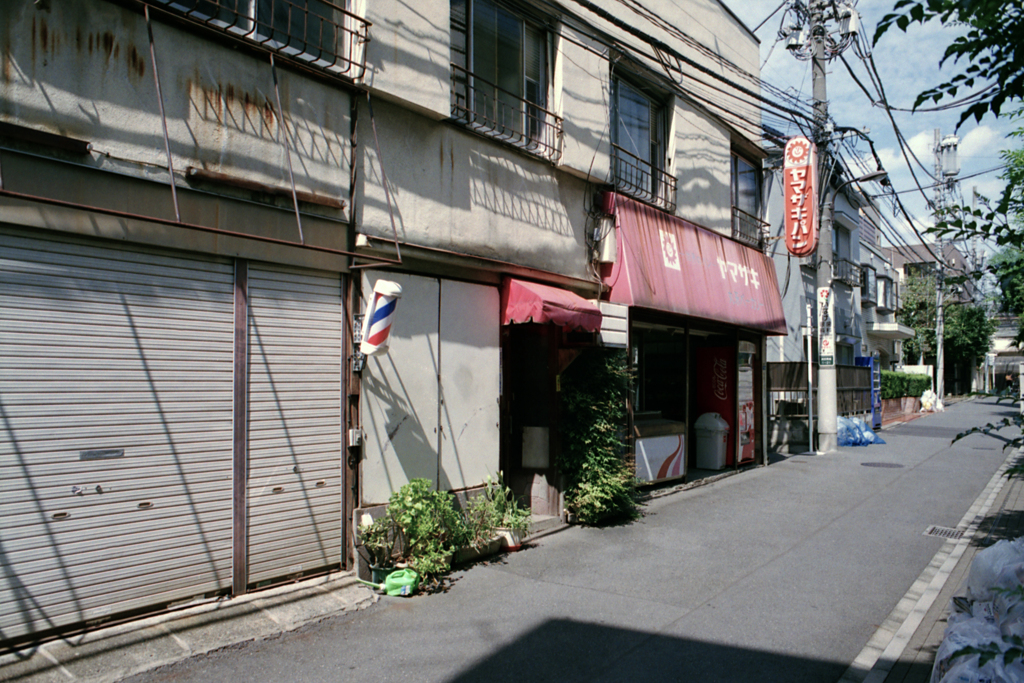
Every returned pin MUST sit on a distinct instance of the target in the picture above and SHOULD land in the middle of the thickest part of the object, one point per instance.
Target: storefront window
(659, 359)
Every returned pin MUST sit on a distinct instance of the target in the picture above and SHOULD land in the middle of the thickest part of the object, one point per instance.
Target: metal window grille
(316, 32)
(494, 112)
(748, 229)
(847, 271)
(641, 180)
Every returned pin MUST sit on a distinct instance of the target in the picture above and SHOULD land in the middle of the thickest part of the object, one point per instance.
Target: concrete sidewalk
(117, 652)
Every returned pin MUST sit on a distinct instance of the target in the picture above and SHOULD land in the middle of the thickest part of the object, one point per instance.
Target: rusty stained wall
(83, 69)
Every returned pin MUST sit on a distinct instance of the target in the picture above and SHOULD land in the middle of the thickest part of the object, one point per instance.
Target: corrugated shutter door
(295, 327)
(115, 429)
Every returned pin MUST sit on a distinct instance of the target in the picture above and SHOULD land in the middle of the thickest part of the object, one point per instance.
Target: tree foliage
(989, 54)
(917, 310)
(1008, 267)
(967, 331)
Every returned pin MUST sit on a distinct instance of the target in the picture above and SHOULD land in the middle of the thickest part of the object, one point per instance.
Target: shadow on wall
(220, 104)
(99, 472)
(509, 188)
(402, 435)
(564, 650)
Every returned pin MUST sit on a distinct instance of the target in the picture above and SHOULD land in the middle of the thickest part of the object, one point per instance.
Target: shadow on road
(565, 650)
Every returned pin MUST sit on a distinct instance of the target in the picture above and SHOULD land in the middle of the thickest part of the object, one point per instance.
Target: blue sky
(908, 63)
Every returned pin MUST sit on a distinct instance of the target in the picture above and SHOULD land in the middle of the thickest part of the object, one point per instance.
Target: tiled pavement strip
(904, 646)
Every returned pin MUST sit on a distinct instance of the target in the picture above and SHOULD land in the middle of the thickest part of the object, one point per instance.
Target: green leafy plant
(496, 507)
(380, 541)
(1011, 650)
(599, 482)
(431, 527)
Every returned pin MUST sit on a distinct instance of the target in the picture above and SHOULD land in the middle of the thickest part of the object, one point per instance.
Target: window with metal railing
(868, 285)
(748, 229)
(500, 77)
(319, 33)
(639, 129)
(846, 271)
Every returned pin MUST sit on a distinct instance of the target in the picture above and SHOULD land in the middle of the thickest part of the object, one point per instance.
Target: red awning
(528, 302)
(668, 264)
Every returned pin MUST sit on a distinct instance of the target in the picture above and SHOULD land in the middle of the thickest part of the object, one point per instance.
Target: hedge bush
(900, 384)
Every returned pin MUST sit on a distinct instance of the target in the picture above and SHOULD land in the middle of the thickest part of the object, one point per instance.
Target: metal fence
(787, 387)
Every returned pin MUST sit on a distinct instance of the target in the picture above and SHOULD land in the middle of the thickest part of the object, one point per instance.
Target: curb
(133, 647)
(886, 646)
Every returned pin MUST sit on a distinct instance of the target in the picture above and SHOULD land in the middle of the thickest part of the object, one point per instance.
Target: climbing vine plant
(599, 483)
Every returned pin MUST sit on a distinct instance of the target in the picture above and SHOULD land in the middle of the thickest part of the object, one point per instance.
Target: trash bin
(712, 441)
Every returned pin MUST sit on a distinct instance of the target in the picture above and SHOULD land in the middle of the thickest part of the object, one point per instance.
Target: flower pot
(511, 539)
(378, 574)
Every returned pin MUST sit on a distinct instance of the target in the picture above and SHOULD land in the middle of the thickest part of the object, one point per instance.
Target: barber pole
(379, 316)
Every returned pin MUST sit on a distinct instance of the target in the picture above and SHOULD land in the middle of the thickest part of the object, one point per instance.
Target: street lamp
(827, 395)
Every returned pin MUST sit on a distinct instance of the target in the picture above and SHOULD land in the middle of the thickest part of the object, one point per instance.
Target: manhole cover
(881, 464)
(944, 532)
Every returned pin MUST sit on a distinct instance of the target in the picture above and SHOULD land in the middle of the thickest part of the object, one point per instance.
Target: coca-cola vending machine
(715, 382)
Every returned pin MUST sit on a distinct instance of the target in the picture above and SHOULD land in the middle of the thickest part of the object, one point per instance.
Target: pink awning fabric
(526, 302)
(669, 264)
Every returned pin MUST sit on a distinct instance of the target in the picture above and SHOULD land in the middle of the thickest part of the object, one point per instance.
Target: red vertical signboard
(800, 187)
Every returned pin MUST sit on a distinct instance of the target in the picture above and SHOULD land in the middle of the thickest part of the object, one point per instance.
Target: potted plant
(379, 539)
(430, 526)
(510, 520)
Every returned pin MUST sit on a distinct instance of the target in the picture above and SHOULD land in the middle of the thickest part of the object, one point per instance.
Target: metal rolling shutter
(115, 429)
(295, 327)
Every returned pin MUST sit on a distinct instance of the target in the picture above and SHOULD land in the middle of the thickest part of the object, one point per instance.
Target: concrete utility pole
(946, 170)
(939, 322)
(819, 48)
(827, 395)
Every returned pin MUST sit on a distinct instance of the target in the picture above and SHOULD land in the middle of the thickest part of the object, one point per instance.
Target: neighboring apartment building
(865, 285)
(189, 242)
(866, 296)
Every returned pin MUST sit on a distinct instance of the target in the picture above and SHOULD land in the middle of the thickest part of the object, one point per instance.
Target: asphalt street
(781, 573)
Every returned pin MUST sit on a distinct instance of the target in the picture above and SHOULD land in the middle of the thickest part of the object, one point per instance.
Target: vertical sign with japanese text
(826, 330)
(800, 188)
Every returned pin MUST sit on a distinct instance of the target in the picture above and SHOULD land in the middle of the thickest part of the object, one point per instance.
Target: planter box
(472, 554)
(900, 409)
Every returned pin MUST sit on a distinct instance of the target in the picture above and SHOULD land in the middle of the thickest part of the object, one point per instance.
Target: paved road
(780, 573)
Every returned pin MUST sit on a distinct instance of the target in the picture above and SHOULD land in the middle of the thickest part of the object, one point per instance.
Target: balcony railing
(316, 32)
(847, 271)
(497, 113)
(748, 229)
(641, 180)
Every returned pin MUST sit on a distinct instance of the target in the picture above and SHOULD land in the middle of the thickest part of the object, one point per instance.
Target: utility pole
(946, 169)
(939, 322)
(818, 46)
(827, 395)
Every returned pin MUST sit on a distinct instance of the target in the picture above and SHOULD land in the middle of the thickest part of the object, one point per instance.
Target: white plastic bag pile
(931, 403)
(990, 618)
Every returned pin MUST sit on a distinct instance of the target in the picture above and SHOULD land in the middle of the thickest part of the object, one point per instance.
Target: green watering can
(399, 582)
